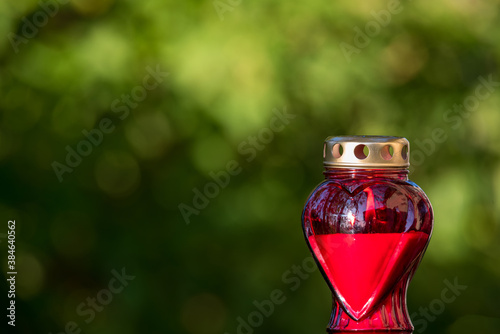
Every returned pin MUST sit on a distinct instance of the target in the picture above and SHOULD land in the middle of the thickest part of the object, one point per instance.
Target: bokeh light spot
(72, 234)
(69, 120)
(117, 173)
(149, 134)
(211, 153)
(92, 7)
(104, 53)
(32, 279)
(203, 314)
(404, 58)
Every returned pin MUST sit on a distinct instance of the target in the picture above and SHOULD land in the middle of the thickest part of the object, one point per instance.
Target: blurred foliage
(229, 70)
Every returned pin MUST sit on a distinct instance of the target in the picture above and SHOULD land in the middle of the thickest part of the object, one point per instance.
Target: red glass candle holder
(367, 227)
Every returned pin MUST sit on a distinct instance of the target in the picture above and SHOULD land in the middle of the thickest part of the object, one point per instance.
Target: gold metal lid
(366, 152)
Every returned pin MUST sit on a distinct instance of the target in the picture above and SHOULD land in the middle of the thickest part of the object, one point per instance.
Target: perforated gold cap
(366, 152)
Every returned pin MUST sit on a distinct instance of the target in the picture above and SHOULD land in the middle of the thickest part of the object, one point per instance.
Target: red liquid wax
(363, 268)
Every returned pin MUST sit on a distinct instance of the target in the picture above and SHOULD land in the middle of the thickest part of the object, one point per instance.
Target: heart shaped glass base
(391, 314)
(362, 269)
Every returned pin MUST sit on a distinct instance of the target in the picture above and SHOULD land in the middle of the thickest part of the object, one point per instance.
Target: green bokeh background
(229, 71)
